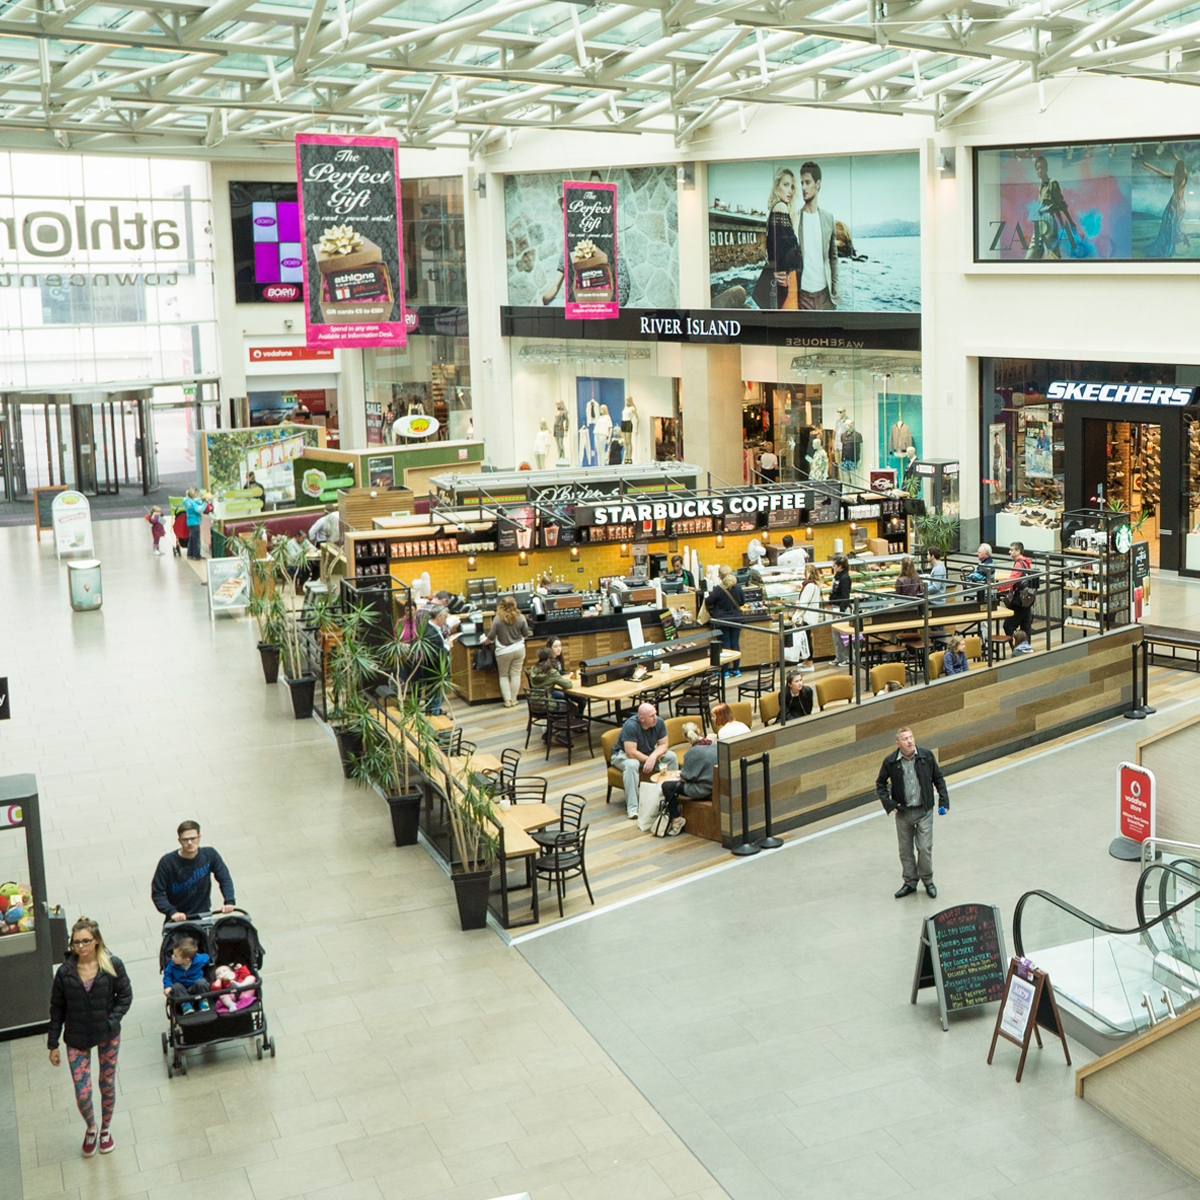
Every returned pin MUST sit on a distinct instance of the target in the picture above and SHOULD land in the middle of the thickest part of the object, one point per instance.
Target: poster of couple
(835, 232)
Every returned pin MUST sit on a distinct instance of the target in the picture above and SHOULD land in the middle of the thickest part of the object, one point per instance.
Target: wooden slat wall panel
(829, 761)
(1172, 755)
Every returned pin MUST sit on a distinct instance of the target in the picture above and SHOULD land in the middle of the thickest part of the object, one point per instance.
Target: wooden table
(971, 618)
(616, 690)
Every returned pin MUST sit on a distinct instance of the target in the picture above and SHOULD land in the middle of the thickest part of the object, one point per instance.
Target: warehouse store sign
(1122, 393)
(713, 506)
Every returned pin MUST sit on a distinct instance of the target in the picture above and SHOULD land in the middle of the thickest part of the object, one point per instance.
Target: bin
(83, 577)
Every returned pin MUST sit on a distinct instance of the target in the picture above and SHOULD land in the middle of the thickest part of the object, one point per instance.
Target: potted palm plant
(469, 809)
(937, 532)
(267, 609)
(385, 761)
(293, 649)
(350, 667)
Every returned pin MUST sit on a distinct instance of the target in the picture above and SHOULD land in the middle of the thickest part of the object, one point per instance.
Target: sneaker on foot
(89, 1143)
(204, 1006)
(106, 1142)
(632, 816)
(676, 827)
(186, 1010)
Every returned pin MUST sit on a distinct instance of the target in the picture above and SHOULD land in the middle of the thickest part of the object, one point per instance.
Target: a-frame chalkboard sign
(1028, 1002)
(961, 954)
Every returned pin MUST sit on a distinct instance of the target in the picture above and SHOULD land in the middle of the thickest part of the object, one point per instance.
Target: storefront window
(587, 403)
(430, 377)
(435, 253)
(1191, 489)
(835, 415)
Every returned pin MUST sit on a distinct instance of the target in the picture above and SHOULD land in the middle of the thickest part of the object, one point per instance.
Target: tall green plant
(469, 810)
(937, 531)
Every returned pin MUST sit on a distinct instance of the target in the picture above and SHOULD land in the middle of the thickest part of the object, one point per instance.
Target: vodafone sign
(1135, 802)
(288, 354)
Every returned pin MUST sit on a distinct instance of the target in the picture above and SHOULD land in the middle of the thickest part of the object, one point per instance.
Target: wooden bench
(1187, 640)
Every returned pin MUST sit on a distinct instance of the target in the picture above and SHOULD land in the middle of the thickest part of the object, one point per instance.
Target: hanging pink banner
(349, 190)
(590, 249)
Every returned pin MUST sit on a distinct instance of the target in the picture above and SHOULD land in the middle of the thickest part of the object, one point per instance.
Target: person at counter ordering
(641, 750)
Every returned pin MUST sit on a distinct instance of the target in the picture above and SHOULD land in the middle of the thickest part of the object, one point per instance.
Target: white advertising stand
(71, 515)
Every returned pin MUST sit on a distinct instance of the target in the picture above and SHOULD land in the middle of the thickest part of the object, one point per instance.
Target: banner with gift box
(590, 253)
(349, 191)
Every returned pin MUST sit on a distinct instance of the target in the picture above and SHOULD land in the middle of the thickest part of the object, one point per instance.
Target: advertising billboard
(1114, 201)
(830, 232)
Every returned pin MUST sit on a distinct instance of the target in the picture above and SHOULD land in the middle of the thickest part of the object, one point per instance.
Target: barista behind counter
(582, 637)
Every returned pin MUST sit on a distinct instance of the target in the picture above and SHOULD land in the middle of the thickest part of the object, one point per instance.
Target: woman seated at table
(796, 699)
(909, 583)
(724, 724)
(545, 677)
(695, 777)
(954, 661)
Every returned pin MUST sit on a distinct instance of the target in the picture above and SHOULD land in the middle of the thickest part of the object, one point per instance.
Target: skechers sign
(1122, 393)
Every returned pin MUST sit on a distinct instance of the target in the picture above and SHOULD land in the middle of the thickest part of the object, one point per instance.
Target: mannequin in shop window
(910, 469)
(849, 445)
(629, 426)
(588, 447)
(542, 444)
(603, 434)
(900, 439)
(562, 427)
(818, 462)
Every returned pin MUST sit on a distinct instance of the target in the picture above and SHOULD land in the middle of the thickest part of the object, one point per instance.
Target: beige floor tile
(309, 1171)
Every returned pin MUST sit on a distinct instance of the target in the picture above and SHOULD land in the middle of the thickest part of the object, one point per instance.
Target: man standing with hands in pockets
(906, 785)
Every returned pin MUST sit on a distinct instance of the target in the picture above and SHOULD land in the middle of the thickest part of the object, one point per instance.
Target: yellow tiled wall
(599, 559)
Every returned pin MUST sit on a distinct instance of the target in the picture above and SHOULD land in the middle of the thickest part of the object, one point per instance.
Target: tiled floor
(752, 1026)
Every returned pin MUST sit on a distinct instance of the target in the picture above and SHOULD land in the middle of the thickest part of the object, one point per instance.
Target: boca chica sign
(712, 506)
(1122, 393)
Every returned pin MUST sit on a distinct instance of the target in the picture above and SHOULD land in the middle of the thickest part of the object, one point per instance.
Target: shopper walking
(193, 507)
(182, 883)
(90, 995)
(508, 632)
(906, 784)
(1021, 616)
(158, 530)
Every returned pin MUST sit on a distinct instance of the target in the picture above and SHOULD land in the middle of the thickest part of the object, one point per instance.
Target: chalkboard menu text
(961, 954)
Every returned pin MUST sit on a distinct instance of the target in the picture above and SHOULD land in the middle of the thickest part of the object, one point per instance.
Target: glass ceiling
(233, 76)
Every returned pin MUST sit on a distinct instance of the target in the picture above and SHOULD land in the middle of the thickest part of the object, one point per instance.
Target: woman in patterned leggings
(91, 994)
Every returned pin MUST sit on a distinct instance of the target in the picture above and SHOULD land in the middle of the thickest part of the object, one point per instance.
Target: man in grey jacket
(816, 235)
(907, 781)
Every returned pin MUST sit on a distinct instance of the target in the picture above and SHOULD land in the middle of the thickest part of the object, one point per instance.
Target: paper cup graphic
(524, 538)
(551, 535)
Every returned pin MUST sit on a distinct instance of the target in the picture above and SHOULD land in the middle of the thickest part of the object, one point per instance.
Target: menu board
(961, 954)
(43, 505)
(1140, 559)
(228, 585)
(972, 959)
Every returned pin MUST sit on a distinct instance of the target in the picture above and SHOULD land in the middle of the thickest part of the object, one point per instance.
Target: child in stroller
(231, 982)
(183, 976)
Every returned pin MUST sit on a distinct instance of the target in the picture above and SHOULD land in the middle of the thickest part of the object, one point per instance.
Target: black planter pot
(350, 744)
(471, 892)
(406, 817)
(270, 661)
(302, 690)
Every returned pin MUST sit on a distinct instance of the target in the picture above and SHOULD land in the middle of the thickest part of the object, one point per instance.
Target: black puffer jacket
(90, 1017)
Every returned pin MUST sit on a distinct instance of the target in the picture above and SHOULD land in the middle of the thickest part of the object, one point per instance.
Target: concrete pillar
(352, 402)
(711, 400)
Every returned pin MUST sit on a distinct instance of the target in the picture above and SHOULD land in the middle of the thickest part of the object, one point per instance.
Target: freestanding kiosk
(26, 958)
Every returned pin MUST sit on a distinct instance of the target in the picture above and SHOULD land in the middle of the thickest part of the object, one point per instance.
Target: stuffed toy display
(16, 908)
(234, 977)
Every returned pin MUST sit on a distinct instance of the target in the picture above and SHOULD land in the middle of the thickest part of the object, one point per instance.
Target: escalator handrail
(1168, 869)
(1140, 928)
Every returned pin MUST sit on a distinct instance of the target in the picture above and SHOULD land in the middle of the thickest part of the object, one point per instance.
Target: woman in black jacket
(91, 994)
(796, 698)
(724, 603)
(839, 597)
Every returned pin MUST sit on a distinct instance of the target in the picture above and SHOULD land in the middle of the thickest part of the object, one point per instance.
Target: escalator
(1113, 983)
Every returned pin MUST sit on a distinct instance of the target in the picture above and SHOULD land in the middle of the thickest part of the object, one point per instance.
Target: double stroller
(232, 1011)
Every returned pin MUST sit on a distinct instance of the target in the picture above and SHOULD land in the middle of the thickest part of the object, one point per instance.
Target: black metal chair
(540, 705)
(564, 859)
(563, 722)
(503, 779)
(659, 696)
(570, 817)
(699, 697)
(449, 741)
(765, 676)
(528, 789)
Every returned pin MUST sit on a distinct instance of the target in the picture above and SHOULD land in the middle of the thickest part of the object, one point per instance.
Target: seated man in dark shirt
(183, 879)
(640, 752)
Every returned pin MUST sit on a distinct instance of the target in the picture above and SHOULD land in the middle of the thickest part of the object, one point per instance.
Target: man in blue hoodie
(183, 879)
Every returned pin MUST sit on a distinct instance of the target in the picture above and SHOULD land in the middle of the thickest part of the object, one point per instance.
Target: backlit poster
(1117, 201)
(590, 249)
(352, 243)
(822, 233)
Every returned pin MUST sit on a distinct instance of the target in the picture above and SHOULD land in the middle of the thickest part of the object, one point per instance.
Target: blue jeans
(193, 541)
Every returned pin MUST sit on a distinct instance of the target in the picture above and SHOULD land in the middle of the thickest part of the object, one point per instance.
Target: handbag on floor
(662, 822)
